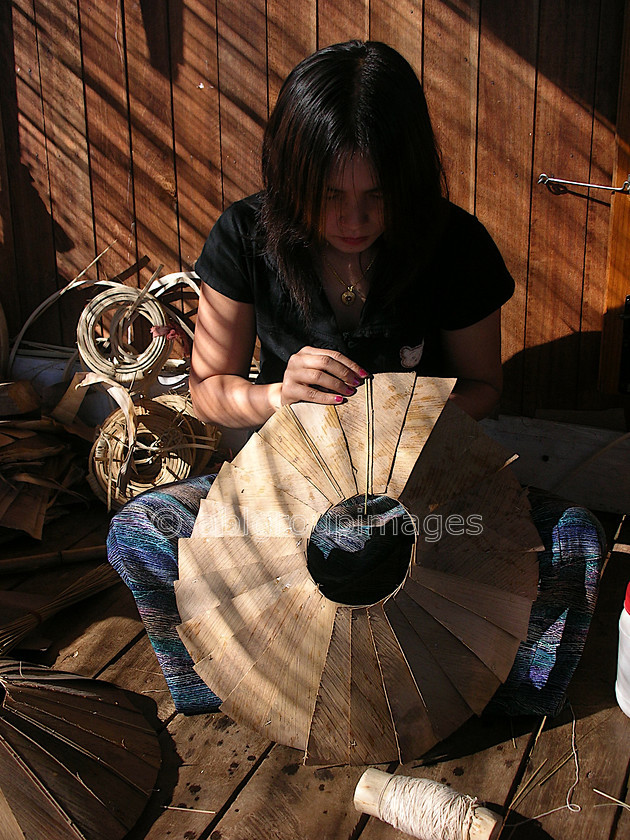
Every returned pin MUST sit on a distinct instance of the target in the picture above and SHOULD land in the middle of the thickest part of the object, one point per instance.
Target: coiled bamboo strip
(123, 362)
(168, 443)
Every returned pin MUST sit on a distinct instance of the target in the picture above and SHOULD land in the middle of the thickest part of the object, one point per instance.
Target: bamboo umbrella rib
(39, 808)
(390, 399)
(446, 706)
(369, 438)
(329, 732)
(76, 759)
(324, 429)
(217, 624)
(57, 691)
(95, 726)
(316, 454)
(412, 727)
(46, 733)
(490, 644)
(353, 419)
(424, 408)
(283, 434)
(372, 736)
(468, 674)
(54, 778)
(506, 610)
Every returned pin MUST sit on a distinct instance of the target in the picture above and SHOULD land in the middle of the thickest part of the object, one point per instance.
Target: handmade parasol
(77, 760)
(360, 577)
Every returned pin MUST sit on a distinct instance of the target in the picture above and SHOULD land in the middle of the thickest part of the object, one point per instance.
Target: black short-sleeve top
(464, 281)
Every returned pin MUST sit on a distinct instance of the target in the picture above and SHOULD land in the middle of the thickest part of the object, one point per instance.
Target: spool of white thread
(424, 809)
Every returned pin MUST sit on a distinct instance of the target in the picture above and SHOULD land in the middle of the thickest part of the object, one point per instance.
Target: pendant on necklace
(348, 297)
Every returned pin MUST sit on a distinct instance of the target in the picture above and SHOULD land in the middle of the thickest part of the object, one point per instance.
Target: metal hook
(559, 184)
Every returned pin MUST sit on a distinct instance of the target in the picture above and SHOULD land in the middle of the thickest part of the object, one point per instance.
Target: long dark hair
(352, 98)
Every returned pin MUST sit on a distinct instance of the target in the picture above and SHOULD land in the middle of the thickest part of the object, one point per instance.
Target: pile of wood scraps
(42, 462)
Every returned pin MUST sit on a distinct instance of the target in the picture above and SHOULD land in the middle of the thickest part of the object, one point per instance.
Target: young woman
(350, 262)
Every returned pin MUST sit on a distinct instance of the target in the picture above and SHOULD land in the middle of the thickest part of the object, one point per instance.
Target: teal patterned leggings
(142, 547)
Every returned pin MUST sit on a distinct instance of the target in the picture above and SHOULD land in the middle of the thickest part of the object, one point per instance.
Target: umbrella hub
(360, 550)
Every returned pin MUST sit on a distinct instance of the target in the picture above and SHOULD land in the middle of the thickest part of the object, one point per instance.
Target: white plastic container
(622, 686)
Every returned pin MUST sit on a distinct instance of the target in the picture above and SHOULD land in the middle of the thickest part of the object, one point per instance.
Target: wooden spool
(371, 788)
(368, 683)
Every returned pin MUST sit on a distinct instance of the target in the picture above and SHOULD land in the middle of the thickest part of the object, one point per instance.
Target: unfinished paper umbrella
(360, 577)
(78, 761)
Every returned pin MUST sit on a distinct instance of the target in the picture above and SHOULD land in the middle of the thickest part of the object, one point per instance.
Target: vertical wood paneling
(618, 263)
(197, 123)
(32, 220)
(602, 164)
(291, 35)
(141, 119)
(150, 106)
(9, 159)
(68, 168)
(243, 95)
(564, 120)
(400, 26)
(338, 22)
(105, 76)
(507, 85)
(451, 43)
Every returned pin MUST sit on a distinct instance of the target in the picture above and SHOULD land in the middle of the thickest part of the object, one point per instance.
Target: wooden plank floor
(221, 781)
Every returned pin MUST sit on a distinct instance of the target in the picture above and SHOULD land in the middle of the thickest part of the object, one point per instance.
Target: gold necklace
(348, 296)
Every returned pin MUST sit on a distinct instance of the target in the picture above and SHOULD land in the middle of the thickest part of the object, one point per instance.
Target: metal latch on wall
(558, 186)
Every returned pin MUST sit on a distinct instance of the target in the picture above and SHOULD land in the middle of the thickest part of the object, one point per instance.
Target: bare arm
(473, 354)
(222, 350)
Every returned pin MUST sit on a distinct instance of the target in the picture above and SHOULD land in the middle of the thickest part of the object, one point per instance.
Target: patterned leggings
(142, 547)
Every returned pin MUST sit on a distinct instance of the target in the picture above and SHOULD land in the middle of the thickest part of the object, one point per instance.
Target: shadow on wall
(163, 26)
(24, 214)
(560, 374)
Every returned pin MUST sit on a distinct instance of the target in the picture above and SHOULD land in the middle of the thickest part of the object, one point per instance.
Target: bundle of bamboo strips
(96, 580)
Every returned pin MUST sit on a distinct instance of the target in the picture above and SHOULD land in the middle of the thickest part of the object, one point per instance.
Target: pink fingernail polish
(363, 373)
(338, 399)
(355, 382)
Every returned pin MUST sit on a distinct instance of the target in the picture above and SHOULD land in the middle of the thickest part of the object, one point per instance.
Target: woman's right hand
(320, 376)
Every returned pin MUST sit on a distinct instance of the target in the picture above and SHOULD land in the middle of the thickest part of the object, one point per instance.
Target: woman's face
(354, 207)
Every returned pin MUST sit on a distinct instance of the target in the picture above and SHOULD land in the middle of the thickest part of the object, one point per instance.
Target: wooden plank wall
(137, 122)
